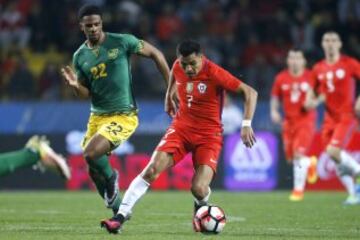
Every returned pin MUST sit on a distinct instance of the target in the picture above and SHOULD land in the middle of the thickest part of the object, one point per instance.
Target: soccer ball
(210, 219)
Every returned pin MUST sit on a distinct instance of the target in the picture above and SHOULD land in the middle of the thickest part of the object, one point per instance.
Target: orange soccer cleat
(296, 196)
(312, 171)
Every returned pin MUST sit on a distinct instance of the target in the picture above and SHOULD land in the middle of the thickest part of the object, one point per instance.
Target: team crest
(340, 73)
(189, 87)
(113, 53)
(202, 88)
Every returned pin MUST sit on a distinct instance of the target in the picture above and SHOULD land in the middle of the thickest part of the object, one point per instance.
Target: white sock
(349, 162)
(300, 168)
(136, 190)
(346, 180)
(205, 200)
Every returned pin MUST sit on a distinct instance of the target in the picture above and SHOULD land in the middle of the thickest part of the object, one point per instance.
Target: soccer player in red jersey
(336, 87)
(298, 127)
(196, 127)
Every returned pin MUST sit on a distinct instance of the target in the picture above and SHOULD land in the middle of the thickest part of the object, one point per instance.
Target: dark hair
(187, 47)
(296, 49)
(88, 9)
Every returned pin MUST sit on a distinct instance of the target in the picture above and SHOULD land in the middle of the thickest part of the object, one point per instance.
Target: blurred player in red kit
(336, 88)
(196, 127)
(298, 127)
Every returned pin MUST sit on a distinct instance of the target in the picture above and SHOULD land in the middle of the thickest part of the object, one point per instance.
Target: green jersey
(105, 70)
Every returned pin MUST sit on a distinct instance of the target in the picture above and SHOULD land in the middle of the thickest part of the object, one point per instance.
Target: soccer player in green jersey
(37, 152)
(103, 73)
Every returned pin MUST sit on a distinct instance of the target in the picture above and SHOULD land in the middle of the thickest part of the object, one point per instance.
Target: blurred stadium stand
(250, 38)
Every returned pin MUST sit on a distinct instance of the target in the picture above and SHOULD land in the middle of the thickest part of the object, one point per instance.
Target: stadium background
(249, 38)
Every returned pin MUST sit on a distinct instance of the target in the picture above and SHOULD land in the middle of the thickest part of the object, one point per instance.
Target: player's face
(92, 27)
(331, 43)
(296, 61)
(191, 64)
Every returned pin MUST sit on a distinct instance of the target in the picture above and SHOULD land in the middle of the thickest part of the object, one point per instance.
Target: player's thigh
(92, 128)
(327, 132)
(207, 153)
(173, 143)
(118, 128)
(302, 139)
(343, 133)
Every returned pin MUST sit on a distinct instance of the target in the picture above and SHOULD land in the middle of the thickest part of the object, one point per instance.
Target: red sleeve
(223, 78)
(275, 90)
(355, 66)
(318, 87)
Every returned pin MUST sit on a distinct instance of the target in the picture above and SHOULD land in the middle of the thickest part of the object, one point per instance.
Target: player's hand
(248, 136)
(70, 76)
(310, 103)
(357, 107)
(170, 105)
(276, 117)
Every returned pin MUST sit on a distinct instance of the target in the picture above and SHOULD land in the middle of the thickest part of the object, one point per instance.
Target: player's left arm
(229, 82)
(250, 97)
(150, 51)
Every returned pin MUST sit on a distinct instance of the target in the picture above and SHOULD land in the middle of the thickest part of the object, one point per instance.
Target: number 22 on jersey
(99, 71)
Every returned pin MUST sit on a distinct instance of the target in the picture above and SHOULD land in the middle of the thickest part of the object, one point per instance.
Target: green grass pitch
(167, 215)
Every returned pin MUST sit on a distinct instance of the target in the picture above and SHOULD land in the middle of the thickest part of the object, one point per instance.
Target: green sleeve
(132, 43)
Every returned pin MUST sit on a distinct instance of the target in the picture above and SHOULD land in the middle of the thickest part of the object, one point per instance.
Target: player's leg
(112, 131)
(346, 165)
(26, 157)
(37, 151)
(100, 170)
(169, 151)
(205, 159)
(200, 187)
(304, 167)
(159, 162)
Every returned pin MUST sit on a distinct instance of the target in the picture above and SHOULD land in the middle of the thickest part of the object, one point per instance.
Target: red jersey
(336, 81)
(291, 91)
(201, 96)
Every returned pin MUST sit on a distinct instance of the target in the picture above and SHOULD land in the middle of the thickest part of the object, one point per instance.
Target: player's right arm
(274, 110)
(170, 97)
(72, 80)
(275, 102)
(313, 100)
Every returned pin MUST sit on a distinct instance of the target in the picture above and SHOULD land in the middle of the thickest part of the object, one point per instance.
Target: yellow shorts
(116, 128)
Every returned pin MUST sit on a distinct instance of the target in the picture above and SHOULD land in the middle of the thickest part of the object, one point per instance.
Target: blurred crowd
(250, 38)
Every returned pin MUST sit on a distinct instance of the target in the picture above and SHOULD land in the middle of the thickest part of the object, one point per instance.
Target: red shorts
(179, 141)
(339, 133)
(297, 138)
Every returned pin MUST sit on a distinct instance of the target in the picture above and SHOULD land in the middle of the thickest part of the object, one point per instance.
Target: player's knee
(200, 190)
(333, 152)
(90, 156)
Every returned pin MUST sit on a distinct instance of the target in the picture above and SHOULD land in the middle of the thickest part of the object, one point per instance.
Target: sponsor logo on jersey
(202, 88)
(113, 53)
(189, 87)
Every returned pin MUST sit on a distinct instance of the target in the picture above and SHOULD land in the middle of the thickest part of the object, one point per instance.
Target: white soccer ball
(211, 219)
